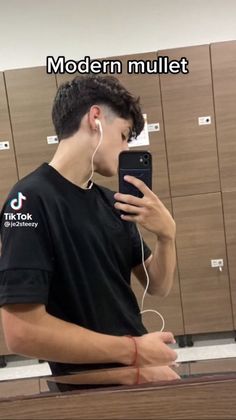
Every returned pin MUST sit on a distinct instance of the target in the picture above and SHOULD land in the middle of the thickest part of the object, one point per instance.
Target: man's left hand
(148, 211)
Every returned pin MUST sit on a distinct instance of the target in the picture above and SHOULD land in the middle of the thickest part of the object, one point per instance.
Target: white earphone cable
(142, 311)
(95, 151)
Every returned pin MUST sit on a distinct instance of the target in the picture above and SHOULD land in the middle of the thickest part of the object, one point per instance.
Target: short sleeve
(26, 261)
(136, 246)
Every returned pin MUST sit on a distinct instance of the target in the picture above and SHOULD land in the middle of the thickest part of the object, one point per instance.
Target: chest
(90, 225)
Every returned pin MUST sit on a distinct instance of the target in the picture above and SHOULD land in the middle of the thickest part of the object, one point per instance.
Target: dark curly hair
(73, 100)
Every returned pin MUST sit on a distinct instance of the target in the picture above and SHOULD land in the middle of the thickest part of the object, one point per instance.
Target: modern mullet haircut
(74, 99)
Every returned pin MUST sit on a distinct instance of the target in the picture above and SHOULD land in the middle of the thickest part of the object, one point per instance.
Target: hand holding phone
(135, 200)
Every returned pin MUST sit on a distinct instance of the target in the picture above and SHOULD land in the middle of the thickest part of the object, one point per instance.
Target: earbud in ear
(98, 124)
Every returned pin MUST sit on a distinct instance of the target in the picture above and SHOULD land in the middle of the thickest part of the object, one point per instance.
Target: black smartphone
(136, 163)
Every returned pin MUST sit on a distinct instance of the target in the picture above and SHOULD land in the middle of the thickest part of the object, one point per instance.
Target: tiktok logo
(17, 203)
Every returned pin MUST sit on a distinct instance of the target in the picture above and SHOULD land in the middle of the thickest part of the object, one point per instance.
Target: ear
(94, 114)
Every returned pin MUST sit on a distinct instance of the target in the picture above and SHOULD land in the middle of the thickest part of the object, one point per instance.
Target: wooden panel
(65, 77)
(13, 388)
(8, 173)
(192, 151)
(229, 202)
(30, 92)
(205, 399)
(200, 238)
(169, 307)
(223, 57)
(213, 366)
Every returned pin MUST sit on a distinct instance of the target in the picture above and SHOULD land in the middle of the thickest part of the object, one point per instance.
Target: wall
(30, 30)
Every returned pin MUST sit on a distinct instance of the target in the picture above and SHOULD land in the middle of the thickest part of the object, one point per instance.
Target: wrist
(165, 239)
(135, 350)
(128, 356)
(127, 376)
(167, 236)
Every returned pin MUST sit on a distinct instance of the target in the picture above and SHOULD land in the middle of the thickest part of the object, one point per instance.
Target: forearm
(53, 339)
(31, 331)
(162, 267)
(121, 376)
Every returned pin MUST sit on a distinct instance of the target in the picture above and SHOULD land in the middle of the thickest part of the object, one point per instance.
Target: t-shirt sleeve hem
(24, 286)
(22, 299)
(137, 261)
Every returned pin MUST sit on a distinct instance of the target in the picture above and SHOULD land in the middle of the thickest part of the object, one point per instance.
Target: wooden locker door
(170, 307)
(19, 387)
(229, 204)
(223, 56)
(8, 172)
(191, 148)
(30, 93)
(65, 77)
(200, 238)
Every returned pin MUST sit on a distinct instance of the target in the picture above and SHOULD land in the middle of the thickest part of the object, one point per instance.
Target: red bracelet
(134, 363)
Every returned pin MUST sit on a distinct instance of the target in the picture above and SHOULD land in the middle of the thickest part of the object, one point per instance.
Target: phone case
(138, 164)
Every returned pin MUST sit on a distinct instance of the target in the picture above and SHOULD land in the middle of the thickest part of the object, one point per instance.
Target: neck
(73, 160)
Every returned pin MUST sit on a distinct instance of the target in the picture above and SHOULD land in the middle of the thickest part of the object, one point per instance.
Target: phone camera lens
(145, 162)
(146, 156)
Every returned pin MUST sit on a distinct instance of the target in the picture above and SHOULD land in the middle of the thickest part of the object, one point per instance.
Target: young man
(68, 254)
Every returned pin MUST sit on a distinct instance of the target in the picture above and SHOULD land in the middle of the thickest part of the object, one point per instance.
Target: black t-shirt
(67, 248)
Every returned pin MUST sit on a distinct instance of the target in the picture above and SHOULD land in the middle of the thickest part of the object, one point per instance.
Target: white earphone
(98, 124)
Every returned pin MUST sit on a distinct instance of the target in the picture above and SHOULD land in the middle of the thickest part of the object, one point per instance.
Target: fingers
(174, 365)
(153, 349)
(138, 184)
(165, 355)
(134, 219)
(170, 374)
(157, 373)
(130, 199)
(127, 208)
(172, 355)
(129, 204)
(167, 337)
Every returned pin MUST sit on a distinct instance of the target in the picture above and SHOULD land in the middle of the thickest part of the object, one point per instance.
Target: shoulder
(106, 194)
(33, 186)
(33, 180)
